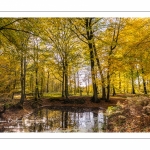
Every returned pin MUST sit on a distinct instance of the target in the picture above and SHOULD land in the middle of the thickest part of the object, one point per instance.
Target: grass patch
(52, 94)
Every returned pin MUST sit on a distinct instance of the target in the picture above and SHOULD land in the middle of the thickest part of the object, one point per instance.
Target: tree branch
(3, 27)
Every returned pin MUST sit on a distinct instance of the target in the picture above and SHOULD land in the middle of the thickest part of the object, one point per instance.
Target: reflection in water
(59, 120)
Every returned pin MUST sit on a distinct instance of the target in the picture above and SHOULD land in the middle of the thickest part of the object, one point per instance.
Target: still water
(60, 120)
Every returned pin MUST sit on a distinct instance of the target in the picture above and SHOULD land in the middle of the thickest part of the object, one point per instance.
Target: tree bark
(23, 71)
(14, 85)
(36, 85)
(114, 91)
(36, 57)
(66, 80)
(144, 83)
(47, 87)
(139, 86)
(120, 83)
(78, 77)
(63, 81)
(42, 82)
(91, 49)
(132, 79)
(101, 74)
(74, 84)
(108, 86)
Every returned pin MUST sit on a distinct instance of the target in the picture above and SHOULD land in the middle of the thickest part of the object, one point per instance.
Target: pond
(60, 120)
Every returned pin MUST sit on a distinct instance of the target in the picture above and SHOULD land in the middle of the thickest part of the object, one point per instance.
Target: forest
(77, 62)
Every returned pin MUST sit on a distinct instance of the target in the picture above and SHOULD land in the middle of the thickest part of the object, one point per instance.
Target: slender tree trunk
(138, 81)
(108, 76)
(88, 88)
(25, 66)
(42, 81)
(108, 86)
(66, 80)
(70, 81)
(127, 87)
(144, 83)
(63, 82)
(114, 91)
(78, 77)
(120, 83)
(74, 84)
(22, 79)
(133, 89)
(52, 87)
(32, 84)
(36, 85)
(22, 91)
(14, 85)
(60, 86)
(47, 87)
(37, 95)
(62, 121)
(124, 88)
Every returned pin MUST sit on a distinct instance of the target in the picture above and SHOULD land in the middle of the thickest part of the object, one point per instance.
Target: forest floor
(125, 113)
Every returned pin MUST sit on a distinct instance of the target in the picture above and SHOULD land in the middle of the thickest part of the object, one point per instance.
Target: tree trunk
(90, 44)
(127, 87)
(114, 91)
(74, 84)
(144, 83)
(103, 92)
(66, 80)
(52, 85)
(23, 67)
(138, 81)
(37, 95)
(63, 81)
(94, 99)
(42, 81)
(14, 85)
(108, 86)
(108, 76)
(70, 80)
(47, 87)
(32, 84)
(120, 83)
(133, 89)
(101, 74)
(36, 85)
(78, 77)
(88, 87)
